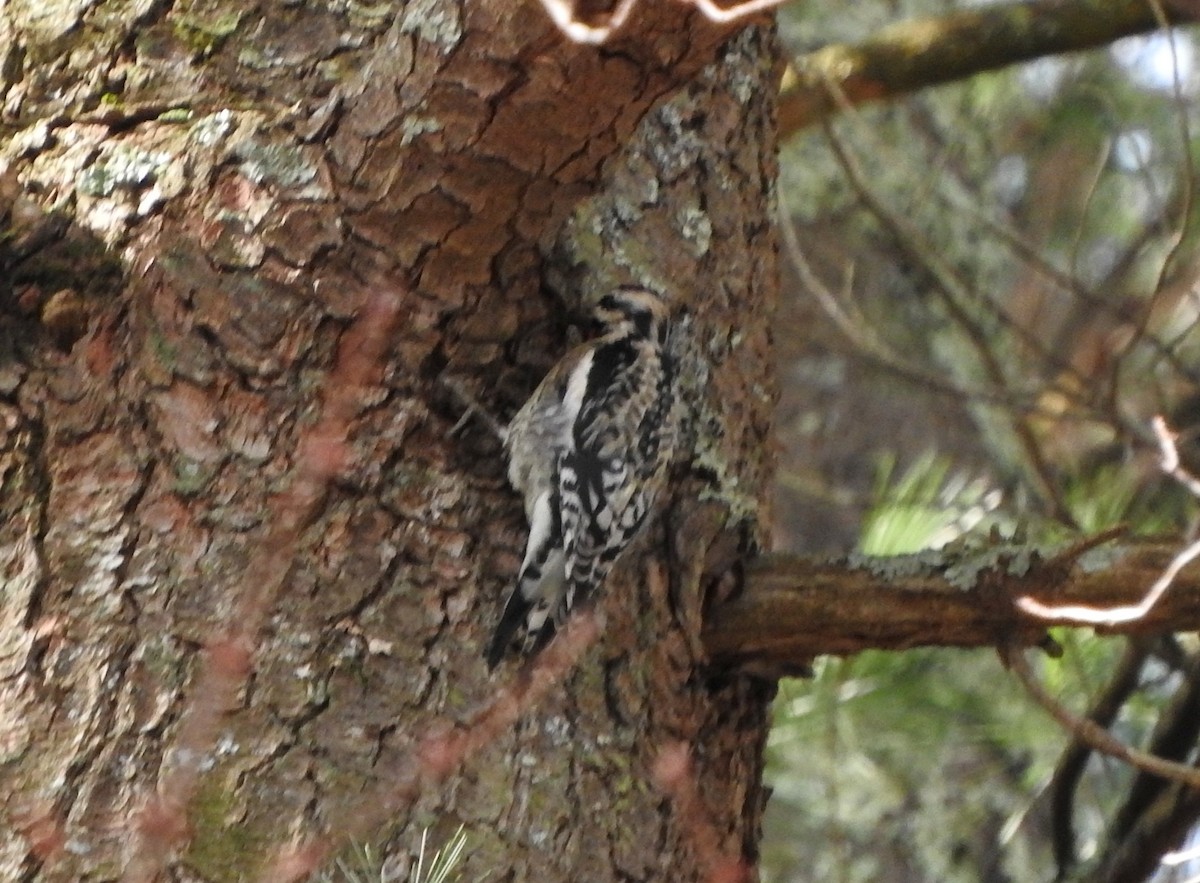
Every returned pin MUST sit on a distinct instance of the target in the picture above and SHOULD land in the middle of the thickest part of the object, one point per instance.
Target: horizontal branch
(792, 609)
(924, 52)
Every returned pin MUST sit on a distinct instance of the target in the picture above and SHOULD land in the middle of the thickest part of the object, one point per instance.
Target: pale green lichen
(1014, 561)
(1100, 559)
(705, 434)
(413, 126)
(204, 36)
(255, 58)
(434, 22)
(213, 128)
(175, 115)
(121, 168)
(725, 488)
(622, 212)
(695, 227)
(220, 847)
(163, 351)
(650, 190)
(30, 141)
(960, 566)
(679, 147)
(284, 165)
(191, 476)
(162, 658)
(369, 15)
(745, 68)
(743, 84)
(895, 567)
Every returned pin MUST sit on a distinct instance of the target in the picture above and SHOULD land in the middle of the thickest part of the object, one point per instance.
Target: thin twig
(934, 184)
(1090, 732)
(715, 13)
(472, 408)
(1112, 615)
(951, 295)
(1168, 452)
(1185, 139)
(1089, 197)
(1173, 738)
(1069, 283)
(1068, 773)
(1169, 458)
(1178, 235)
(858, 333)
(562, 14)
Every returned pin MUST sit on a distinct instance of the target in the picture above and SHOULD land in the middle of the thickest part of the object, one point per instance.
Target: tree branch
(1064, 784)
(1163, 827)
(792, 609)
(927, 52)
(1097, 736)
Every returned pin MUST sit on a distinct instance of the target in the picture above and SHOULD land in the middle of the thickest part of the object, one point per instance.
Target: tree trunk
(224, 431)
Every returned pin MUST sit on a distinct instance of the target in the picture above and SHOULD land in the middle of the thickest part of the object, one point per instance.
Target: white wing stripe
(577, 387)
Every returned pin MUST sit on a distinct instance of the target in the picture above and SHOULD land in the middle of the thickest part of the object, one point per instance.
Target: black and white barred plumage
(589, 452)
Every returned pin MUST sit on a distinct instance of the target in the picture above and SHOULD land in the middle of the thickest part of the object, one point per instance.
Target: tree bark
(203, 459)
(792, 609)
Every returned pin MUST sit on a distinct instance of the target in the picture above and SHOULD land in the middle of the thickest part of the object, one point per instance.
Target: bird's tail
(539, 586)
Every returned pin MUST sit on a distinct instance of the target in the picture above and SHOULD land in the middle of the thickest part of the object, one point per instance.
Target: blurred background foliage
(989, 289)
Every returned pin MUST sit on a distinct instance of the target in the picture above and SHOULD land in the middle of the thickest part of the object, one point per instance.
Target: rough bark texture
(233, 184)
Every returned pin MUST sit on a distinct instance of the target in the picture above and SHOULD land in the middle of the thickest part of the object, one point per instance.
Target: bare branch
(953, 294)
(1068, 773)
(1094, 735)
(1111, 616)
(856, 329)
(1168, 453)
(1086, 615)
(1173, 738)
(562, 13)
(738, 11)
(925, 52)
(1163, 827)
(1189, 169)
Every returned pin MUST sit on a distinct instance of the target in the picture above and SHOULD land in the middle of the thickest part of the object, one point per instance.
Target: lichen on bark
(253, 182)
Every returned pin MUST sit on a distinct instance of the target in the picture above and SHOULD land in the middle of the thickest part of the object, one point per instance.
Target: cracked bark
(231, 186)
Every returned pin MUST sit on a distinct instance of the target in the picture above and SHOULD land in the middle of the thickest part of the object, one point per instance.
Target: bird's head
(631, 308)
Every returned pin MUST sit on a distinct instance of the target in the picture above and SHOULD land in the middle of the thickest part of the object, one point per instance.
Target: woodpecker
(589, 453)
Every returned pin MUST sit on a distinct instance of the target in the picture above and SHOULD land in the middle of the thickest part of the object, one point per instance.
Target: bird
(589, 453)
